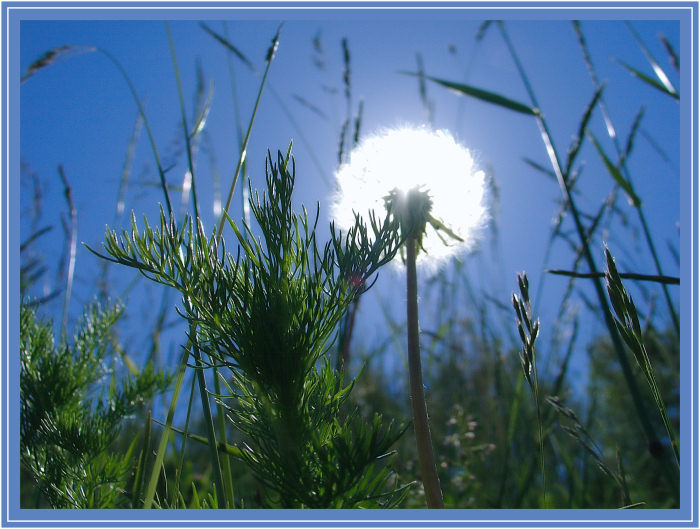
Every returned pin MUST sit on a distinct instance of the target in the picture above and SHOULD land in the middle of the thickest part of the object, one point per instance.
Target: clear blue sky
(79, 113)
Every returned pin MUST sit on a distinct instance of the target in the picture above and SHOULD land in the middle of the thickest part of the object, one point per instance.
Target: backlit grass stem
(270, 55)
(186, 133)
(132, 89)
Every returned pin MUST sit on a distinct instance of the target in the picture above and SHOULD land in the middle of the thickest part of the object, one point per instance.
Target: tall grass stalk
(151, 139)
(268, 62)
(183, 116)
(528, 331)
(72, 247)
(224, 485)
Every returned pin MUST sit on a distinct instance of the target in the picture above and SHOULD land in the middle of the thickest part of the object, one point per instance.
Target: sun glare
(408, 158)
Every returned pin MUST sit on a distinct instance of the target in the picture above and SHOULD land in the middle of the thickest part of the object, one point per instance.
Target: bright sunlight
(407, 158)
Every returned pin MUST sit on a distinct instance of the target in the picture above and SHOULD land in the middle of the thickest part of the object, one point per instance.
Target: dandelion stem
(431, 482)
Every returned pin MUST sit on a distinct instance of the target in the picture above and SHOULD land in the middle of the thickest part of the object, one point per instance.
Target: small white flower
(411, 158)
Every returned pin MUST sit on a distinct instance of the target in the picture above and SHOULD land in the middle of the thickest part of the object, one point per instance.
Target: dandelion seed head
(408, 158)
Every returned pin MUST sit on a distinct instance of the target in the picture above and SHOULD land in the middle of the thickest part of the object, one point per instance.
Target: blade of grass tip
(346, 75)
(227, 43)
(658, 70)
(268, 59)
(665, 280)
(596, 83)
(183, 117)
(161, 171)
(659, 150)
(672, 55)
(640, 407)
(648, 80)
(73, 244)
(358, 124)
(162, 446)
(575, 147)
(483, 28)
(310, 106)
(484, 95)
(341, 142)
(33, 237)
(422, 90)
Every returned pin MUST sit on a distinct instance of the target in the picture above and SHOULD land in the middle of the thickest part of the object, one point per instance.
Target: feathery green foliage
(68, 420)
(268, 316)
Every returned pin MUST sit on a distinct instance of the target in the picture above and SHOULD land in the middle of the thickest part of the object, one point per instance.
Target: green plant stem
(161, 171)
(431, 482)
(244, 148)
(657, 263)
(186, 133)
(540, 432)
(208, 419)
(73, 241)
(162, 446)
(221, 425)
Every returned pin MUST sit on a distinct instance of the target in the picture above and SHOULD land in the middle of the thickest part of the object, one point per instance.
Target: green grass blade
(229, 46)
(650, 81)
(484, 95)
(134, 94)
(208, 418)
(72, 234)
(162, 446)
(183, 117)
(583, 126)
(181, 460)
(672, 55)
(664, 280)
(658, 70)
(221, 424)
(616, 174)
(140, 476)
(221, 447)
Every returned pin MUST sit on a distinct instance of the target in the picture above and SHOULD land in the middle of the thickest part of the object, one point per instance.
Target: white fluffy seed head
(408, 158)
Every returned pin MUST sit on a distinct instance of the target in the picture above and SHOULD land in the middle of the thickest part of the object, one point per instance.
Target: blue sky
(79, 113)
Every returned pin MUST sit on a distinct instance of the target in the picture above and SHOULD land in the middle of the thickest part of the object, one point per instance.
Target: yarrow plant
(395, 161)
(420, 178)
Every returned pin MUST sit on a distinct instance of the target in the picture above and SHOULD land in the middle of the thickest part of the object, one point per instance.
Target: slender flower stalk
(416, 174)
